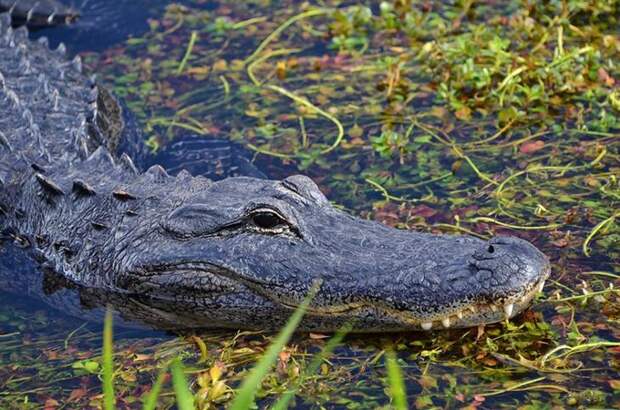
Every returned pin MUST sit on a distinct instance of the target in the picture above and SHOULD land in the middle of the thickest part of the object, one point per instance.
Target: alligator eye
(267, 219)
(491, 249)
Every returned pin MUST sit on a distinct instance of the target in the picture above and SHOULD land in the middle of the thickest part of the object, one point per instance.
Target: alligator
(38, 13)
(90, 25)
(85, 226)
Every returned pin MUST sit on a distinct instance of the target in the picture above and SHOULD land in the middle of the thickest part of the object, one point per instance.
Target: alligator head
(243, 252)
(238, 253)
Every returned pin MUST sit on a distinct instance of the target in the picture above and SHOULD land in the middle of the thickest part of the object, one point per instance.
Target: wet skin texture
(38, 13)
(184, 251)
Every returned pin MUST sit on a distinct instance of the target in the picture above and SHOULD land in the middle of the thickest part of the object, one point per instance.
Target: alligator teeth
(473, 309)
(508, 309)
(427, 325)
(541, 286)
(459, 314)
(445, 322)
(494, 308)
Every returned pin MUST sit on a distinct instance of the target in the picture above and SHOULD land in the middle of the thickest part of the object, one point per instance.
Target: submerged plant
(478, 118)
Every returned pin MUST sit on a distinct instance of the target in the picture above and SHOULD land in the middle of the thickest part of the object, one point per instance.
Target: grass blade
(313, 367)
(395, 381)
(188, 52)
(109, 400)
(185, 398)
(246, 393)
(151, 399)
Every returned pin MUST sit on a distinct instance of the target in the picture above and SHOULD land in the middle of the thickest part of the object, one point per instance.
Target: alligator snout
(475, 282)
(506, 273)
(510, 261)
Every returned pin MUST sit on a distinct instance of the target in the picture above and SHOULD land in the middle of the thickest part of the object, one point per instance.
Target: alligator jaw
(223, 280)
(258, 246)
(484, 313)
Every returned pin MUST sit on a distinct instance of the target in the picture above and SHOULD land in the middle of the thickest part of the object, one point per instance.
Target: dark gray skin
(183, 251)
(90, 25)
(39, 13)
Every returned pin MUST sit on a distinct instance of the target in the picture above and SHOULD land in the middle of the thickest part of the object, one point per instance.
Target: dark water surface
(438, 132)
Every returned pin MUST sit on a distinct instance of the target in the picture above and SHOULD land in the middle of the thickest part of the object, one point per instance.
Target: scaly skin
(38, 13)
(184, 251)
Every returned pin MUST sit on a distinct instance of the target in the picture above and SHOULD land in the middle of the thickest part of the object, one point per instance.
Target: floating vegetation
(469, 117)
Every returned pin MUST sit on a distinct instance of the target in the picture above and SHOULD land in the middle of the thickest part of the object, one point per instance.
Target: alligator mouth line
(466, 315)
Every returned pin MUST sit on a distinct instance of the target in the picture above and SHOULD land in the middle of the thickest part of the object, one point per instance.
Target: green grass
(395, 380)
(435, 103)
(109, 402)
(247, 391)
(185, 400)
(283, 402)
(151, 399)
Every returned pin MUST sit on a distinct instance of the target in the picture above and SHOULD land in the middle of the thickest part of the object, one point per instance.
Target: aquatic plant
(468, 117)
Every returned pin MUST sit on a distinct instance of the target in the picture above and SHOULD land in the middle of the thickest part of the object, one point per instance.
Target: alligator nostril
(491, 249)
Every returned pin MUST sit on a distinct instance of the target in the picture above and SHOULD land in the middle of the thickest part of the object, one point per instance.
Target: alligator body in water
(94, 24)
(38, 13)
(185, 251)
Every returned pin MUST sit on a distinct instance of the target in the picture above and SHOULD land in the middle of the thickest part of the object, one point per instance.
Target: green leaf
(395, 381)
(88, 365)
(246, 393)
(313, 367)
(109, 400)
(151, 399)
(185, 399)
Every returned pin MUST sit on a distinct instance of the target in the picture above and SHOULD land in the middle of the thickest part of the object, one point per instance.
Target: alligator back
(38, 13)
(48, 108)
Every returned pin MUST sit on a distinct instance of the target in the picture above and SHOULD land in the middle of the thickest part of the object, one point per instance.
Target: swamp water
(463, 117)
